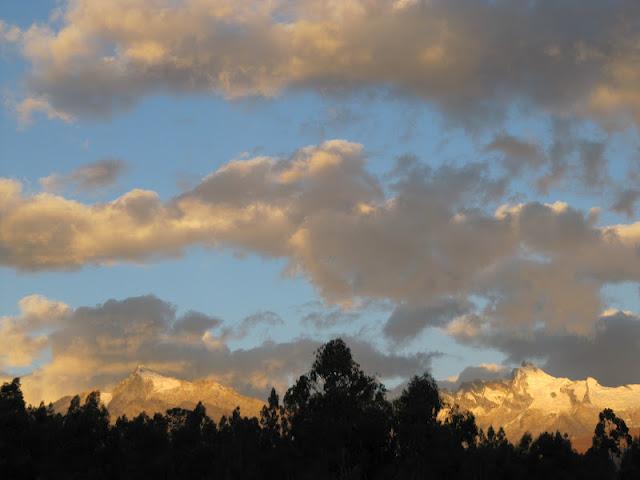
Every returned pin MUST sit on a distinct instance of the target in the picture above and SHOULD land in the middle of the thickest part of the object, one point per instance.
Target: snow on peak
(530, 371)
(161, 383)
(532, 400)
(105, 397)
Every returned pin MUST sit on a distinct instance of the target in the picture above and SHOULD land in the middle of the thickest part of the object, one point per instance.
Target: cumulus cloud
(516, 153)
(470, 58)
(23, 337)
(568, 158)
(88, 178)
(94, 347)
(626, 202)
(28, 107)
(606, 353)
(251, 322)
(485, 372)
(417, 238)
(10, 37)
(594, 163)
(407, 321)
(322, 319)
(194, 325)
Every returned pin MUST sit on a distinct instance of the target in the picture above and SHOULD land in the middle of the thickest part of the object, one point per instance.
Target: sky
(215, 187)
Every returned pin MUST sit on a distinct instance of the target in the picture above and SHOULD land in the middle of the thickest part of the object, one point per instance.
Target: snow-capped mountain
(151, 392)
(534, 401)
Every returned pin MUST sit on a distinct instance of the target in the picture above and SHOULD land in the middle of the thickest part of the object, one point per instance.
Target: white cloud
(87, 178)
(32, 105)
(464, 56)
(95, 347)
(604, 353)
(425, 237)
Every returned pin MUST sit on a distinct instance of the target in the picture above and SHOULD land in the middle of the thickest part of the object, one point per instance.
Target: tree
(630, 465)
(85, 432)
(416, 429)
(335, 423)
(45, 434)
(339, 418)
(192, 434)
(14, 424)
(239, 443)
(552, 456)
(462, 427)
(611, 434)
(274, 438)
(273, 421)
(142, 447)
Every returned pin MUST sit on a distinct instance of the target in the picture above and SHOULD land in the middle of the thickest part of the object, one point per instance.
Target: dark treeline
(334, 422)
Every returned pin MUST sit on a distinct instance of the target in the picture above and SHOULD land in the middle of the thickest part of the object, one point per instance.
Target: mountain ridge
(146, 390)
(530, 400)
(533, 401)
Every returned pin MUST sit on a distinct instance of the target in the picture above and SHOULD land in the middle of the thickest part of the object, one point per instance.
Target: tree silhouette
(417, 432)
(142, 447)
(14, 423)
(611, 437)
(611, 434)
(551, 456)
(340, 420)
(335, 423)
(273, 421)
(239, 442)
(274, 437)
(462, 427)
(85, 431)
(630, 465)
(192, 435)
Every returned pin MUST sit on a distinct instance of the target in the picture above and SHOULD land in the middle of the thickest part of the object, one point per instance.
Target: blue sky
(171, 140)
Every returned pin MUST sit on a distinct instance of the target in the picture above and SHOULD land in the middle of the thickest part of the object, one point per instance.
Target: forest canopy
(335, 421)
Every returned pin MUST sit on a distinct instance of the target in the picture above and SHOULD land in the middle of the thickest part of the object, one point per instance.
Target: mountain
(151, 392)
(534, 401)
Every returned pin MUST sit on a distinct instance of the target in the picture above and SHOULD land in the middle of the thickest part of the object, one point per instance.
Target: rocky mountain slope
(151, 392)
(534, 401)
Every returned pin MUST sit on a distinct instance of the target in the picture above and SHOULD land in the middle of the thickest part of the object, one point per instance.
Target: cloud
(322, 320)
(407, 321)
(465, 327)
(568, 158)
(194, 325)
(88, 178)
(323, 317)
(23, 337)
(516, 153)
(594, 163)
(485, 372)
(10, 37)
(464, 56)
(626, 202)
(417, 237)
(251, 322)
(29, 106)
(95, 347)
(606, 353)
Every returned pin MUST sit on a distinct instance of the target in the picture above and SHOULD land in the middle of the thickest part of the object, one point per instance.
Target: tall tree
(85, 433)
(416, 427)
(611, 434)
(340, 420)
(14, 424)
